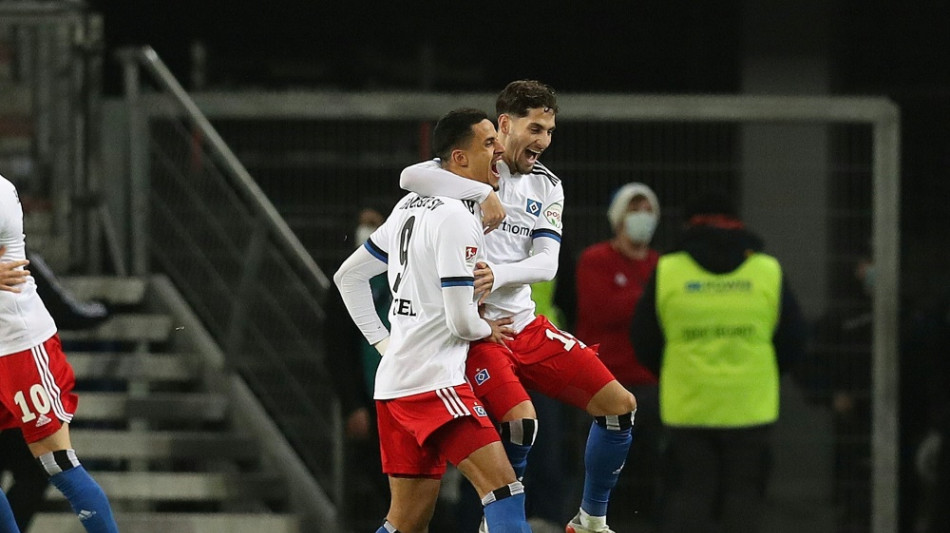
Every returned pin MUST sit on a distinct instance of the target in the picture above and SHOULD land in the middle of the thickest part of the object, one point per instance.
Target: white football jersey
(428, 242)
(24, 320)
(533, 205)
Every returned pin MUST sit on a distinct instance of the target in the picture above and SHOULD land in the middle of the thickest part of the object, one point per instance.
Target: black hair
(454, 129)
(521, 95)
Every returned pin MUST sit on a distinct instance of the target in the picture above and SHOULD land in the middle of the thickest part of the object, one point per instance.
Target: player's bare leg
(55, 442)
(612, 399)
(519, 427)
(502, 495)
(487, 469)
(412, 503)
(522, 410)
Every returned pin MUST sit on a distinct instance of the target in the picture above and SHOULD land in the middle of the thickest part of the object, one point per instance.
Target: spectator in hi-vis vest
(717, 323)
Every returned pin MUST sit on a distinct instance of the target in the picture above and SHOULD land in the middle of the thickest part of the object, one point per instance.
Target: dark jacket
(717, 250)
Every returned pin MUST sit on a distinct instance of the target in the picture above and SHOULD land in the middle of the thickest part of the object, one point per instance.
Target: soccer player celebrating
(524, 250)
(427, 413)
(36, 381)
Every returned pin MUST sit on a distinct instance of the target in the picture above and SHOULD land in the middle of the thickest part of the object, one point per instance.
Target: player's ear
(460, 157)
(504, 123)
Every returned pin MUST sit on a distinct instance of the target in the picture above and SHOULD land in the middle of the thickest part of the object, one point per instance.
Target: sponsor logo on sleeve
(553, 214)
(533, 207)
(481, 376)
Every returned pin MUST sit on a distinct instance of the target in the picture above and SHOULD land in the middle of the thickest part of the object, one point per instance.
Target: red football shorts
(542, 358)
(419, 433)
(36, 390)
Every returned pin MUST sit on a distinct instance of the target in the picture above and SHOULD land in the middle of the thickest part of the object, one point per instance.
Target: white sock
(595, 523)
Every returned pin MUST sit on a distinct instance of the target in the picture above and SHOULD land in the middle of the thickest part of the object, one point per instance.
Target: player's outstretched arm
(352, 279)
(540, 266)
(493, 212)
(11, 273)
(541, 263)
(430, 179)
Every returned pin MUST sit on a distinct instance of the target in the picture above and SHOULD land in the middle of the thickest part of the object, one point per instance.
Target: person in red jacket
(610, 279)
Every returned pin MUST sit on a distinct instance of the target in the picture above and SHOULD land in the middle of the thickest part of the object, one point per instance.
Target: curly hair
(521, 95)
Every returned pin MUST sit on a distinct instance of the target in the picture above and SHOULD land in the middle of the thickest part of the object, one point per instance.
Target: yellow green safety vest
(719, 367)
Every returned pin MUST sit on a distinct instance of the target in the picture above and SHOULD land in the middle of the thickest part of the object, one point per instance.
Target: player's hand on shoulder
(10, 277)
(500, 330)
(492, 212)
(484, 280)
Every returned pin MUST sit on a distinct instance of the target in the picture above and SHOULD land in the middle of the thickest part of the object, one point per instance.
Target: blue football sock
(7, 523)
(517, 436)
(604, 458)
(507, 516)
(86, 498)
(504, 510)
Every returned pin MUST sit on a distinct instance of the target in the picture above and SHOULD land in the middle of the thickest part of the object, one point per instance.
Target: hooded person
(717, 323)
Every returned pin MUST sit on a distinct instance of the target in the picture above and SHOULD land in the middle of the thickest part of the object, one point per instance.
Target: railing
(198, 215)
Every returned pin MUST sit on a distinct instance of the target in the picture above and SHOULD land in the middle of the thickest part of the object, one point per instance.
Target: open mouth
(532, 155)
(498, 166)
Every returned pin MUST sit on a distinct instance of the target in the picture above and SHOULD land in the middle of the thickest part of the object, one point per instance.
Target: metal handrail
(279, 367)
(148, 58)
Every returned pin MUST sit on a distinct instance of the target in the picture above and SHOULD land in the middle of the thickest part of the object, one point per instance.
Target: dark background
(674, 46)
(900, 50)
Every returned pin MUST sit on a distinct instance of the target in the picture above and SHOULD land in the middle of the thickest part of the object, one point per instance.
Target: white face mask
(362, 233)
(639, 226)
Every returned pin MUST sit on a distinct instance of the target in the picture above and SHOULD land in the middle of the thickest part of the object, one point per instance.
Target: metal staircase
(205, 402)
(158, 427)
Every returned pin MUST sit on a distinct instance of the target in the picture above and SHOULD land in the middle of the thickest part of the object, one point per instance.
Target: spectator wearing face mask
(610, 279)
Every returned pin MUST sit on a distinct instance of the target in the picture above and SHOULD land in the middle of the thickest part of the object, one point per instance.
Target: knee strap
(616, 422)
(58, 462)
(522, 431)
(507, 491)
